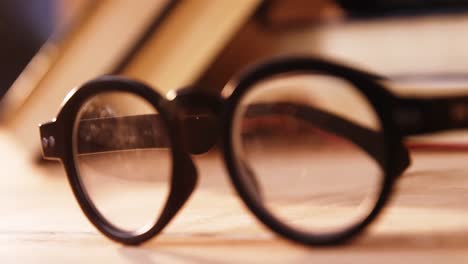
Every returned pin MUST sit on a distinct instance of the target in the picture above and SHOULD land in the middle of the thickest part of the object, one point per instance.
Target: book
(114, 38)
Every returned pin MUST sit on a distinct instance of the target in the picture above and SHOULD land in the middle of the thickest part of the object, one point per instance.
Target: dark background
(24, 26)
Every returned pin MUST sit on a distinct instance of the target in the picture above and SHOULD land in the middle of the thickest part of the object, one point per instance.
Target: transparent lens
(309, 149)
(123, 159)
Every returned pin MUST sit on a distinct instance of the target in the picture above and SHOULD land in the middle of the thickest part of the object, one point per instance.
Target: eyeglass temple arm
(416, 116)
(102, 136)
(370, 141)
(197, 125)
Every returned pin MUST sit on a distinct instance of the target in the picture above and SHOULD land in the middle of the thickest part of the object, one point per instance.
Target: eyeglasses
(312, 147)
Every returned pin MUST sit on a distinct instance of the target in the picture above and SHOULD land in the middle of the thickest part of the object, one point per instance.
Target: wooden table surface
(426, 221)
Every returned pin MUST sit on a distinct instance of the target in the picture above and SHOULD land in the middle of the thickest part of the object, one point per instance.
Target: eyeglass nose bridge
(199, 132)
(199, 113)
(201, 125)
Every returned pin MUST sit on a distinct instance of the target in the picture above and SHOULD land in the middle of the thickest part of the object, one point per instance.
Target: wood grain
(41, 223)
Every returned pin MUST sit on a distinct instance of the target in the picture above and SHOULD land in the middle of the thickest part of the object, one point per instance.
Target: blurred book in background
(166, 53)
(170, 44)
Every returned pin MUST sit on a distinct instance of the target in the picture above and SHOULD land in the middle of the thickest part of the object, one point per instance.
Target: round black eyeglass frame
(427, 115)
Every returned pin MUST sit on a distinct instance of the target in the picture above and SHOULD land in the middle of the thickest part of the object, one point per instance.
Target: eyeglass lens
(308, 140)
(123, 158)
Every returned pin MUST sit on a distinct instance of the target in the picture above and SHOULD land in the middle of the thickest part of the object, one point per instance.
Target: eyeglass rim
(183, 176)
(378, 97)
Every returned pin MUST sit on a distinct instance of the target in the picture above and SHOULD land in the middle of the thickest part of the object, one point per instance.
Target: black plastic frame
(184, 177)
(398, 117)
(368, 85)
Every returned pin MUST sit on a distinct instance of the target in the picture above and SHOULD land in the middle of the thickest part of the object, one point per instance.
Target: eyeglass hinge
(50, 146)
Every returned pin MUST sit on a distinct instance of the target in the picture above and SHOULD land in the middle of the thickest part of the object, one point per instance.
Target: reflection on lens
(309, 149)
(123, 159)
